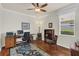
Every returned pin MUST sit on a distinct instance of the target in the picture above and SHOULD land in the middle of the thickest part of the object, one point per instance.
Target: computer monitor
(20, 32)
(9, 33)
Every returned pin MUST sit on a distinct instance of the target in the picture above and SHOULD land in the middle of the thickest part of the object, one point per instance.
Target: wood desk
(10, 41)
(5, 52)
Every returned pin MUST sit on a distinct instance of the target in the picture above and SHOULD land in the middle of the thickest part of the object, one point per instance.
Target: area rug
(32, 51)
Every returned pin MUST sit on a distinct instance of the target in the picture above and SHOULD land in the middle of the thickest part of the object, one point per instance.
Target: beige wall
(12, 22)
(65, 41)
(0, 23)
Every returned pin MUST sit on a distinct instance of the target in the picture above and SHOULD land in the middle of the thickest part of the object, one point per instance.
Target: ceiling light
(37, 9)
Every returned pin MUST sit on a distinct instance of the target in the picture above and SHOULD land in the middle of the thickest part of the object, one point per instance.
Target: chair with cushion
(53, 40)
(26, 38)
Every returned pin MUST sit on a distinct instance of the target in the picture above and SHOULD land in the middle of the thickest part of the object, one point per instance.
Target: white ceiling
(21, 7)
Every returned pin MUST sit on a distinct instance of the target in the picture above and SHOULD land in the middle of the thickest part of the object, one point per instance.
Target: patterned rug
(32, 50)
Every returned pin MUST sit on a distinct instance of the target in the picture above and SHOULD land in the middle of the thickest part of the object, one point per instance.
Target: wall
(12, 22)
(77, 24)
(65, 41)
(0, 24)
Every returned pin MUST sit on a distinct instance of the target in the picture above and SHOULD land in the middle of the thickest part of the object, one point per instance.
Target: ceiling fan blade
(37, 4)
(44, 5)
(34, 4)
(30, 9)
(43, 10)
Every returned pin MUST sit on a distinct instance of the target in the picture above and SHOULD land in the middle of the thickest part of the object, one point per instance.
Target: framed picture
(50, 25)
(25, 26)
(67, 24)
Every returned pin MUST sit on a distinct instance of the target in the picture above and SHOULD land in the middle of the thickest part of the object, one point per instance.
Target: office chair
(24, 46)
(26, 37)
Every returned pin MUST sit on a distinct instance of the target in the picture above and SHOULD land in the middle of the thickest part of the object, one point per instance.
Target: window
(67, 24)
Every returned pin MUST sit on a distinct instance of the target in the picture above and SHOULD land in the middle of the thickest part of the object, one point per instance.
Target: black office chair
(26, 38)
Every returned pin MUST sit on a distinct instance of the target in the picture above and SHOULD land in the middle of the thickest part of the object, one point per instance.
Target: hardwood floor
(52, 50)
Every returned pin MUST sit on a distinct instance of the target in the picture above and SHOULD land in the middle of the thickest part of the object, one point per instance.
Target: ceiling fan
(38, 7)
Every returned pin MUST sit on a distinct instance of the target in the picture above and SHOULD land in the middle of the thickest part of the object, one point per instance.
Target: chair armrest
(56, 36)
(55, 39)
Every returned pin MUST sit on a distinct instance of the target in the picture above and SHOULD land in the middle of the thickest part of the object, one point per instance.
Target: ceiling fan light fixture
(37, 9)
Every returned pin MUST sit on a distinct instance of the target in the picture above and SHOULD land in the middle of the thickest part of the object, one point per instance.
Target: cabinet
(48, 34)
(10, 41)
